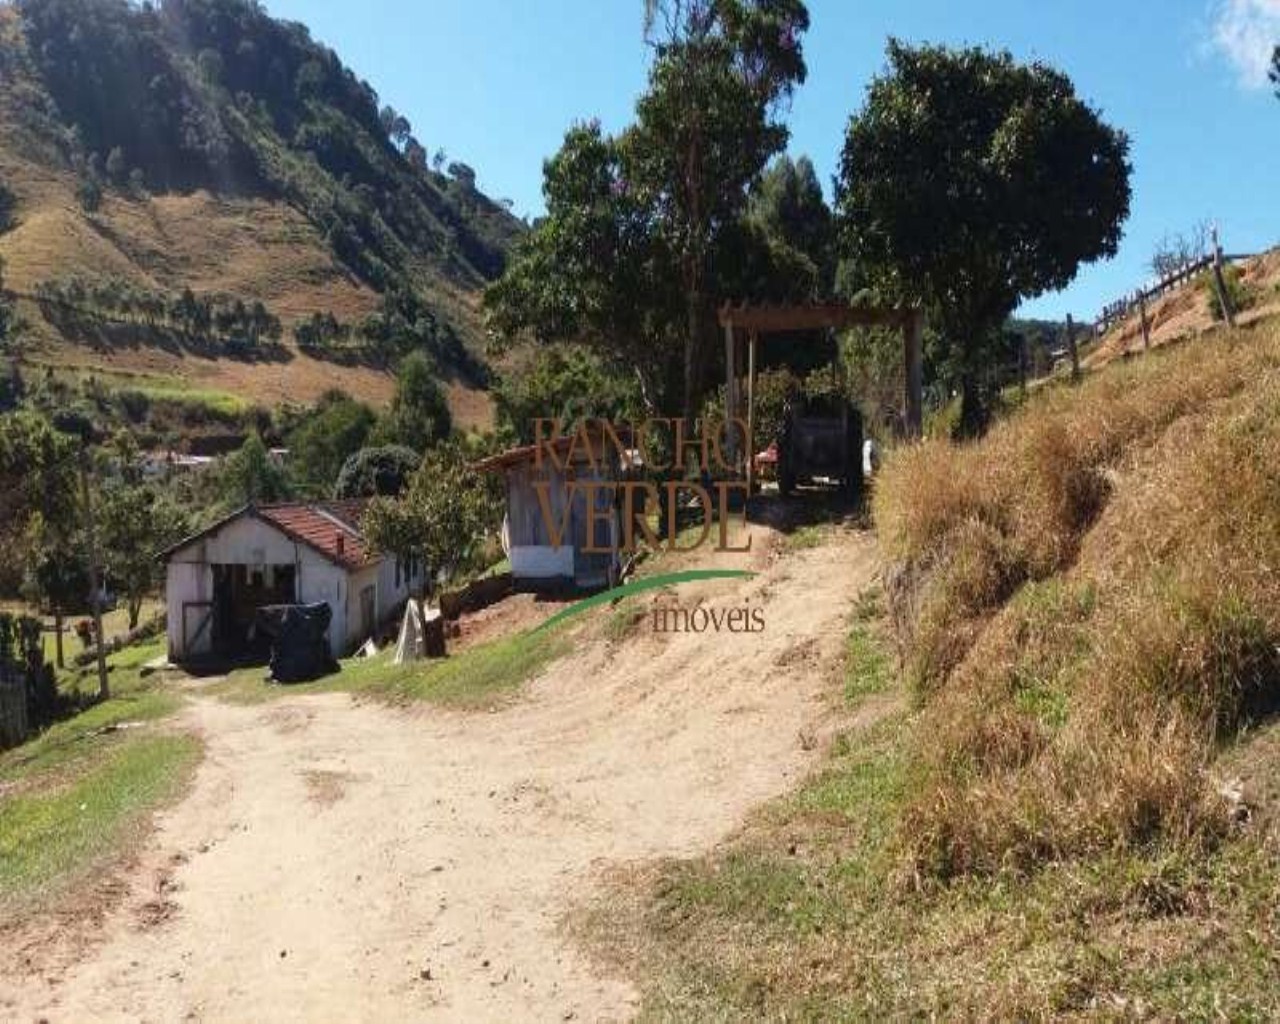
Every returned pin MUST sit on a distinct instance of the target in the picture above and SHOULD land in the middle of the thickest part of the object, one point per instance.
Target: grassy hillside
(1075, 810)
(204, 146)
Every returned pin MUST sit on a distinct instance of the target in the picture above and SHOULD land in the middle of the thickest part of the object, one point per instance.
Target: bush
(7, 204)
(89, 194)
(1240, 294)
(374, 471)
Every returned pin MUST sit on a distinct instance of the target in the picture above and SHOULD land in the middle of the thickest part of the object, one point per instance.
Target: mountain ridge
(201, 146)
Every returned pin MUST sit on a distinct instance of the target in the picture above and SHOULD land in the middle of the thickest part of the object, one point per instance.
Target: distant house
(303, 553)
(536, 562)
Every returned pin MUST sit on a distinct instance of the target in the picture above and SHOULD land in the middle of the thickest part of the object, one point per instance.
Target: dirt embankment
(1184, 313)
(343, 861)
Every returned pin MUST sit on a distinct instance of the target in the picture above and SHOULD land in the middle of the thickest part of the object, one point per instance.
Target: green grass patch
(161, 388)
(868, 669)
(868, 666)
(50, 838)
(622, 622)
(75, 796)
(806, 537)
(67, 745)
(480, 676)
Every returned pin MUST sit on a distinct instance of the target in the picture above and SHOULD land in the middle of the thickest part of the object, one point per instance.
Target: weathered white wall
(532, 556)
(185, 582)
(541, 562)
(320, 581)
(250, 541)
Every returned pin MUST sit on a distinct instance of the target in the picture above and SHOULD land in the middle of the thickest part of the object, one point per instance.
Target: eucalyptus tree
(631, 256)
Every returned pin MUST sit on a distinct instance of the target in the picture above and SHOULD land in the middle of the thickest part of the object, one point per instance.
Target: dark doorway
(238, 592)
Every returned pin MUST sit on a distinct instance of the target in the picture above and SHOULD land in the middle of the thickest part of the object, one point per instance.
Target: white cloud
(1246, 33)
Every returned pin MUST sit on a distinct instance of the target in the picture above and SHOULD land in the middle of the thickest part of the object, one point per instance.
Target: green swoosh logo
(639, 587)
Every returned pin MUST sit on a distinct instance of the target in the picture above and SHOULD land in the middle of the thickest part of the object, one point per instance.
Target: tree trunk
(430, 648)
(973, 412)
(95, 582)
(692, 363)
(135, 609)
(57, 637)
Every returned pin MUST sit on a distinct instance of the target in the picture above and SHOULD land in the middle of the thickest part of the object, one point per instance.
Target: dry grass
(1092, 601)
(1089, 609)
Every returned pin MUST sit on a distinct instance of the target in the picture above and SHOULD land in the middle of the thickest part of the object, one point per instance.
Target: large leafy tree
(643, 234)
(442, 518)
(320, 445)
(250, 475)
(705, 128)
(135, 522)
(419, 414)
(970, 183)
(566, 380)
(39, 514)
(596, 270)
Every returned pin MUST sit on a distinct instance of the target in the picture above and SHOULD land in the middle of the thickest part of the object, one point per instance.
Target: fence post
(1071, 347)
(1146, 329)
(1220, 281)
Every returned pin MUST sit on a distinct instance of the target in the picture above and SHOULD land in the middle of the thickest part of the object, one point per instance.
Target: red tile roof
(330, 527)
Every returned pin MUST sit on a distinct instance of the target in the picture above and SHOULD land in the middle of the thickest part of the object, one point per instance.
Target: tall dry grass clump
(1088, 601)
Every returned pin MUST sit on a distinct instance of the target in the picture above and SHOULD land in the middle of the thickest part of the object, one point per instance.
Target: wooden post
(95, 579)
(751, 410)
(1146, 328)
(730, 389)
(913, 337)
(1220, 282)
(1071, 347)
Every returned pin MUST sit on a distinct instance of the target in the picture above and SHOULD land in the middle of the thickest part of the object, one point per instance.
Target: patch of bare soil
(345, 861)
(512, 615)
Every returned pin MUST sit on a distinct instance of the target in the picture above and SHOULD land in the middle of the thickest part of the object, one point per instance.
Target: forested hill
(202, 146)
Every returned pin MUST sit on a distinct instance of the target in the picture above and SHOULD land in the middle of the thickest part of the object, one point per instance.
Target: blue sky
(496, 82)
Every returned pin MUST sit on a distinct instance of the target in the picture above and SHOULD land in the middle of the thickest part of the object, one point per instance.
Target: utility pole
(95, 577)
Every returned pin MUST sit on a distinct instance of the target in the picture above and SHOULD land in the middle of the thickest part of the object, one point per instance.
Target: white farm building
(303, 553)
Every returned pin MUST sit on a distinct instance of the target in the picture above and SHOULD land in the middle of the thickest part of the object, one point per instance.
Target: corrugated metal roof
(602, 449)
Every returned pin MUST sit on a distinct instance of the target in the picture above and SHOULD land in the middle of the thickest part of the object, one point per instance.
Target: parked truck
(821, 440)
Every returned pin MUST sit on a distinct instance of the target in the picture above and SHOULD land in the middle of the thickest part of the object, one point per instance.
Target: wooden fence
(13, 708)
(1121, 308)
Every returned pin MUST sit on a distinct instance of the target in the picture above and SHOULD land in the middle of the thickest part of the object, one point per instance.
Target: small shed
(289, 553)
(538, 563)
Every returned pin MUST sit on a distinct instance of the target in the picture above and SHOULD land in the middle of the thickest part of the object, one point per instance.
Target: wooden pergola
(756, 320)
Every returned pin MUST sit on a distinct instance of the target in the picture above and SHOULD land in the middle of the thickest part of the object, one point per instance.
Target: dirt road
(342, 861)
